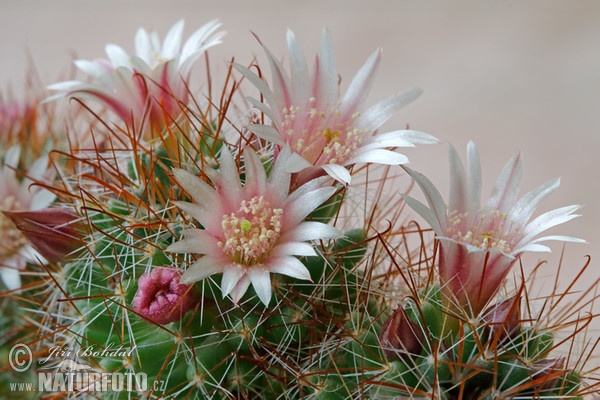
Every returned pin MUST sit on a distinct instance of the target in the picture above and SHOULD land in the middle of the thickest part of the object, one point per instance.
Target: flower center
(321, 137)
(11, 239)
(487, 230)
(251, 232)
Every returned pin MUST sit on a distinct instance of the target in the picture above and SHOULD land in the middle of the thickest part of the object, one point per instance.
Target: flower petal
(310, 230)
(379, 156)
(433, 197)
(232, 273)
(377, 114)
(203, 268)
(301, 207)
(360, 86)
(338, 172)
(293, 249)
(506, 188)
(261, 281)
(525, 207)
(290, 266)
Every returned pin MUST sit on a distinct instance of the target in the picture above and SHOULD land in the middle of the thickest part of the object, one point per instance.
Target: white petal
(232, 274)
(261, 281)
(377, 114)
(427, 214)
(201, 192)
(202, 39)
(273, 114)
(195, 241)
(388, 139)
(415, 137)
(65, 86)
(172, 42)
(338, 172)
(310, 231)
(525, 207)
(378, 156)
(293, 249)
(39, 168)
(433, 197)
(459, 184)
(11, 278)
(474, 177)
(229, 176)
(256, 177)
(299, 70)
(117, 56)
(297, 211)
(12, 156)
(143, 47)
(290, 266)
(42, 199)
(266, 132)
(559, 238)
(360, 86)
(93, 69)
(205, 215)
(534, 247)
(258, 82)
(327, 79)
(547, 221)
(506, 189)
(240, 289)
(203, 268)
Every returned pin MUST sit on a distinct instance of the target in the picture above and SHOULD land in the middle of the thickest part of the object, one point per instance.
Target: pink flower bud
(504, 318)
(56, 233)
(160, 297)
(400, 336)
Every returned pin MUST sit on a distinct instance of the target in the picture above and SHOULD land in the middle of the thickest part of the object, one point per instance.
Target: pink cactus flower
(154, 81)
(19, 194)
(253, 229)
(162, 298)
(330, 132)
(479, 244)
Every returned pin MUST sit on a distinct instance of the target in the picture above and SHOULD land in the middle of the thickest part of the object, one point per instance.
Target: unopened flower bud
(400, 336)
(56, 233)
(160, 297)
(547, 372)
(504, 318)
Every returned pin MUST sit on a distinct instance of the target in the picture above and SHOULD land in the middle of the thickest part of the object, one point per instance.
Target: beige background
(511, 75)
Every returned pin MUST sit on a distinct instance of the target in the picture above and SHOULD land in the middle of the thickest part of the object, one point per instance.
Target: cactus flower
(479, 244)
(330, 132)
(154, 80)
(54, 232)
(253, 229)
(19, 195)
(161, 297)
(400, 336)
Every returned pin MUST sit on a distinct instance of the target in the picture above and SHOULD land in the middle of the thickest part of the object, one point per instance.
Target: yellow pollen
(251, 232)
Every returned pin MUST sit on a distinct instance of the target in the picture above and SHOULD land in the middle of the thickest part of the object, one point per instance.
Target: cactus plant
(213, 253)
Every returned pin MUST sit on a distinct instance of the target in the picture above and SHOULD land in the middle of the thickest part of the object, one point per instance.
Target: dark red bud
(504, 318)
(547, 372)
(400, 336)
(56, 233)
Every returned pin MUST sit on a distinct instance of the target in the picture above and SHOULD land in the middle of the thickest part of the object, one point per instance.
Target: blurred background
(510, 75)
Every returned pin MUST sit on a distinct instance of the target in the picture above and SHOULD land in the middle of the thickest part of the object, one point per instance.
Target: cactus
(354, 305)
